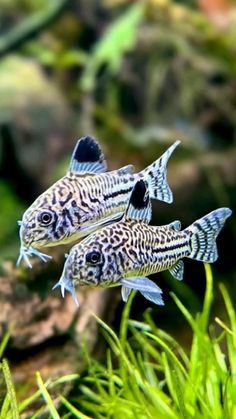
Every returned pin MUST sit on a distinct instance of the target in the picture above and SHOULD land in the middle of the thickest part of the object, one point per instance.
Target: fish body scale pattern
(79, 201)
(100, 196)
(140, 249)
(94, 189)
(158, 248)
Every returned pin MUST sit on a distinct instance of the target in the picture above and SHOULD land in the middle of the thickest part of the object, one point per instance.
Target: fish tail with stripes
(203, 234)
(156, 176)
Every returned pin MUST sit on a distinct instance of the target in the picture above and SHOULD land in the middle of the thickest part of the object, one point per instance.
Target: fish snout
(26, 248)
(25, 235)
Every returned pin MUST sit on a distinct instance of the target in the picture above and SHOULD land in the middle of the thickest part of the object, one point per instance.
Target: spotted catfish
(85, 199)
(125, 252)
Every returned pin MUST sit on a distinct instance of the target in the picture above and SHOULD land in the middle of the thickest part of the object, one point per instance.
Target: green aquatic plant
(118, 39)
(153, 375)
(148, 374)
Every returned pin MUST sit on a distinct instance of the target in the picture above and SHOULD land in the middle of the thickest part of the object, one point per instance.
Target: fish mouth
(67, 285)
(27, 251)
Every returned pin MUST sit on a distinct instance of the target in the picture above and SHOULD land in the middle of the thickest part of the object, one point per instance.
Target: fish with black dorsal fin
(126, 252)
(85, 199)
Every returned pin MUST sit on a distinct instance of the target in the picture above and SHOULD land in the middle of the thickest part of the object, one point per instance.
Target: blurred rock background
(137, 75)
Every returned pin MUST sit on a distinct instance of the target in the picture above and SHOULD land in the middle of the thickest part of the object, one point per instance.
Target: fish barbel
(85, 199)
(125, 252)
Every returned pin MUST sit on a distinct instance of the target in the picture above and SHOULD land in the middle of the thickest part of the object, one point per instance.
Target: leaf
(10, 389)
(47, 397)
(76, 413)
(119, 38)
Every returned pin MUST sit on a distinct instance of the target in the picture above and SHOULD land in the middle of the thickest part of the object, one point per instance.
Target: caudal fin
(203, 235)
(156, 176)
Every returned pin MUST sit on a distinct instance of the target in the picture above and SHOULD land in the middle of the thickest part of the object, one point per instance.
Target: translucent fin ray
(141, 284)
(145, 286)
(175, 225)
(129, 169)
(178, 270)
(125, 292)
(154, 297)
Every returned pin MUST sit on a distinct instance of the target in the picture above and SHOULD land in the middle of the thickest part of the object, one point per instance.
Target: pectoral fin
(87, 157)
(154, 297)
(147, 288)
(88, 229)
(178, 270)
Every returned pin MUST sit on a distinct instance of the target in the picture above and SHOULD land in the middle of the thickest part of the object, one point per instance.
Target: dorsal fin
(87, 157)
(139, 207)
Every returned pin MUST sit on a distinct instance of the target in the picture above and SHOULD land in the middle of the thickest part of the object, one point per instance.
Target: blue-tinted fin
(68, 286)
(129, 169)
(125, 292)
(141, 284)
(87, 157)
(156, 176)
(178, 270)
(154, 297)
(147, 288)
(176, 225)
(139, 207)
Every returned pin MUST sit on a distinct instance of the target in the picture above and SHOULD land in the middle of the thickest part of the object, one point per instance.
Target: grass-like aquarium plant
(147, 373)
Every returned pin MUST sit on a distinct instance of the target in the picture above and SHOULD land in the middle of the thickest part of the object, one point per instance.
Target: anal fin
(177, 270)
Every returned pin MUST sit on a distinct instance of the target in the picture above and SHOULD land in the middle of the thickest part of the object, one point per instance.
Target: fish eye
(45, 218)
(93, 257)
